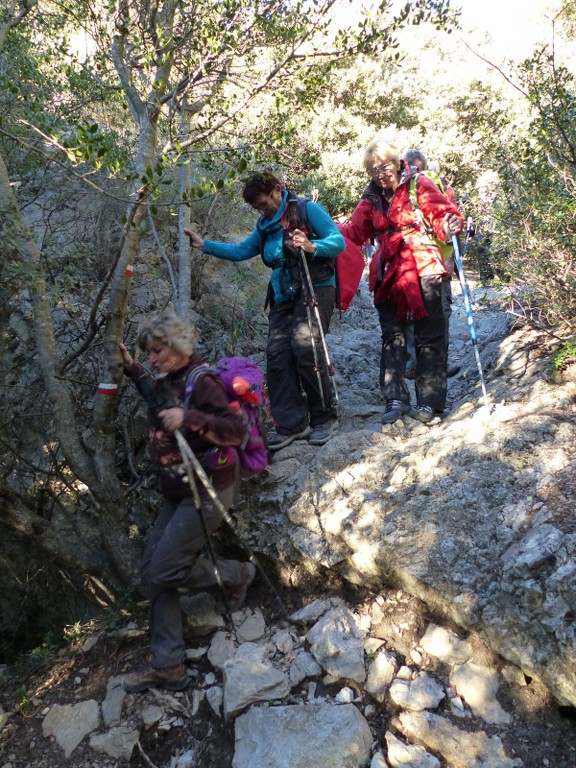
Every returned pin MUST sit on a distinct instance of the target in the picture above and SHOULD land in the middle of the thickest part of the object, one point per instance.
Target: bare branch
(117, 53)
(161, 249)
(497, 68)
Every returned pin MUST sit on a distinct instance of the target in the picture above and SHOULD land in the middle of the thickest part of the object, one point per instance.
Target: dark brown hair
(261, 183)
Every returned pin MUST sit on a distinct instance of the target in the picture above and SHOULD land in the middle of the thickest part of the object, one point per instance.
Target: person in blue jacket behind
(301, 399)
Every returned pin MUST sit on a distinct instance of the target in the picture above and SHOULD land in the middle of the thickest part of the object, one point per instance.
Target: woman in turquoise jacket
(300, 396)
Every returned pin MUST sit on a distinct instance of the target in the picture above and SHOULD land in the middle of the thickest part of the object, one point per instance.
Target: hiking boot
(237, 594)
(423, 413)
(323, 432)
(395, 409)
(410, 373)
(171, 678)
(279, 440)
(453, 370)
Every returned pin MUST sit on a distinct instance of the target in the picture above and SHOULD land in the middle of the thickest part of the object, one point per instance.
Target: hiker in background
(418, 160)
(406, 275)
(300, 392)
(433, 169)
(171, 562)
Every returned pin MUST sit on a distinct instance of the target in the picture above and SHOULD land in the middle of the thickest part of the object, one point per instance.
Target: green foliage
(566, 355)
(24, 702)
(76, 634)
(530, 211)
(206, 59)
(95, 146)
(567, 18)
(339, 185)
(47, 648)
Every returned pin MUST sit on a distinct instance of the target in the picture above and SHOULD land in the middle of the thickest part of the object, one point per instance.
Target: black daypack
(319, 269)
(349, 264)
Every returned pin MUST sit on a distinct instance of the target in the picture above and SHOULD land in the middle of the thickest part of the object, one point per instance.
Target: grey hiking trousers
(293, 384)
(171, 563)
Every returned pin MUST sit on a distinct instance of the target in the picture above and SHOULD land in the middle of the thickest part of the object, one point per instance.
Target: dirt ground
(542, 734)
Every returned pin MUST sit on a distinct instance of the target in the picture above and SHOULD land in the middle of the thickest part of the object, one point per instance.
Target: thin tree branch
(161, 249)
(497, 68)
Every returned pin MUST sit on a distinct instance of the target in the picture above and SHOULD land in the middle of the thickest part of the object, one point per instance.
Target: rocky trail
(428, 577)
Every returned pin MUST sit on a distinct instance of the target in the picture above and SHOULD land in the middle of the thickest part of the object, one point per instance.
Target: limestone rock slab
(118, 742)
(70, 723)
(248, 680)
(337, 644)
(380, 675)
(453, 517)
(478, 687)
(422, 693)
(323, 736)
(402, 755)
(460, 749)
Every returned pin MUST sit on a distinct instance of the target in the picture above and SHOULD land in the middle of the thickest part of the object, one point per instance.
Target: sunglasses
(382, 170)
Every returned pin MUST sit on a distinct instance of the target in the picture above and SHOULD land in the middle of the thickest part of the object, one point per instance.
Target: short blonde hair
(382, 148)
(168, 329)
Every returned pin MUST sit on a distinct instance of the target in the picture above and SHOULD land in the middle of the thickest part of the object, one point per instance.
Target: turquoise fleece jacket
(329, 243)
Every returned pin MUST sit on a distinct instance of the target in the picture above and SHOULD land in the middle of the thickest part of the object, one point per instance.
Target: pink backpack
(243, 380)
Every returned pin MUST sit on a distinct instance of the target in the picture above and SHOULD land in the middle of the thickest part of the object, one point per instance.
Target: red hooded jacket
(404, 251)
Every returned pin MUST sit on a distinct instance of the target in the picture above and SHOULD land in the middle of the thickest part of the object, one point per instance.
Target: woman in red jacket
(406, 274)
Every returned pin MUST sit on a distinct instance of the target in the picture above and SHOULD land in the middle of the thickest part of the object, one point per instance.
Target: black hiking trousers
(447, 309)
(294, 386)
(431, 353)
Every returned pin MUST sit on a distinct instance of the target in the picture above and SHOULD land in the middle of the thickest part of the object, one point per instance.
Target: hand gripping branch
(311, 303)
(468, 306)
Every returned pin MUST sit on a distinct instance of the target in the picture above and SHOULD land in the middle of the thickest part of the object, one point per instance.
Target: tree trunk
(95, 471)
(184, 300)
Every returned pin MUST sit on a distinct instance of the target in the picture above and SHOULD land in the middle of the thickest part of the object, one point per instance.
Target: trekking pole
(186, 453)
(312, 302)
(312, 339)
(469, 314)
(157, 403)
(191, 459)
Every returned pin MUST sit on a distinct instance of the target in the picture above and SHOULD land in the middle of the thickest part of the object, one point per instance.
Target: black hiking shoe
(323, 432)
(395, 409)
(424, 413)
(279, 440)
